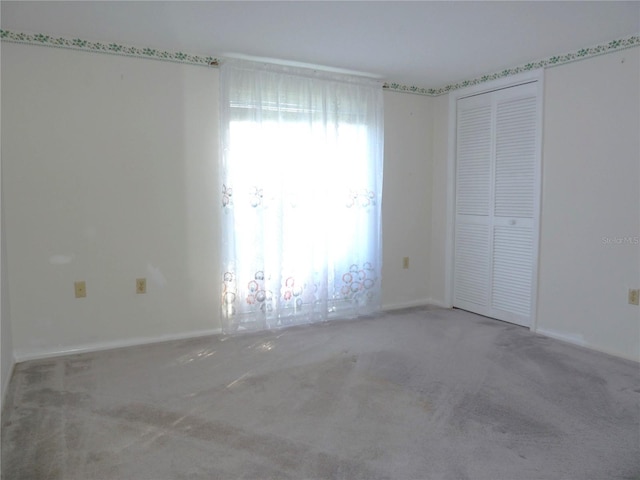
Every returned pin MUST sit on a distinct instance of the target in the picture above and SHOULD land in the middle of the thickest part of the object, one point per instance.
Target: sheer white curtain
(301, 167)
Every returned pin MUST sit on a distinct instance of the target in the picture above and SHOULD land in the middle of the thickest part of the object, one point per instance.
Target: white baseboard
(5, 384)
(438, 303)
(24, 354)
(414, 303)
(579, 341)
(572, 339)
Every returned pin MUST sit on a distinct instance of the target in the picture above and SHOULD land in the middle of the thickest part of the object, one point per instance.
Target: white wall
(438, 253)
(406, 203)
(591, 191)
(6, 341)
(110, 174)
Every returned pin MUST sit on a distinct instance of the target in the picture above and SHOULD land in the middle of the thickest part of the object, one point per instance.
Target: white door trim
(526, 77)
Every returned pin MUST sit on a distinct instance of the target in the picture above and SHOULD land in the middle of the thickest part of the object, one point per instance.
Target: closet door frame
(511, 81)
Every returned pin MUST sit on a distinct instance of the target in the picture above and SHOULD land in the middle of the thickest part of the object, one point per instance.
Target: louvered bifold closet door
(514, 204)
(474, 150)
(497, 160)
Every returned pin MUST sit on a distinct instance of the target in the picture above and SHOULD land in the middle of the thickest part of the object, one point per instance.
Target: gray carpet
(414, 394)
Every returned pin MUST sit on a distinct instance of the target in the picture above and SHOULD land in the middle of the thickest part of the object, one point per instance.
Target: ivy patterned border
(180, 57)
(554, 61)
(111, 48)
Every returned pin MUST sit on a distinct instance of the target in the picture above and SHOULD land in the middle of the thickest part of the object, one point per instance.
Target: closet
(497, 175)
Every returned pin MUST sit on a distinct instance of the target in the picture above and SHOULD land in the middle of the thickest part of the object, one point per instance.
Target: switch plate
(405, 262)
(141, 285)
(634, 296)
(80, 289)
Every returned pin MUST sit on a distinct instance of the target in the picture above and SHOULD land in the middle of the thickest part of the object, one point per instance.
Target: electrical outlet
(141, 285)
(634, 296)
(80, 289)
(405, 262)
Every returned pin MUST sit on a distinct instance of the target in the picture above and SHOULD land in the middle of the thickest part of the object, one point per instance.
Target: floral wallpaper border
(180, 57)
(111, 48)
(554, 61)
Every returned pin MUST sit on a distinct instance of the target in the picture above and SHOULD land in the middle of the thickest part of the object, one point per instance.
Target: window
(301, 192)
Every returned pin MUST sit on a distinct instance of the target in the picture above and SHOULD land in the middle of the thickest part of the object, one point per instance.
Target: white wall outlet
(405, 262)
(634, 296)
(80, 289)
(141, 285)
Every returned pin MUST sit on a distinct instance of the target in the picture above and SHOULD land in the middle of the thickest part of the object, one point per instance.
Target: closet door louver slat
(515, 158)
(474, 155)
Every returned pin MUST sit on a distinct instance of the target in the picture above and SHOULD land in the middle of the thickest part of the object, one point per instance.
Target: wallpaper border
(208, 61)
(109, 48)
(554, 61)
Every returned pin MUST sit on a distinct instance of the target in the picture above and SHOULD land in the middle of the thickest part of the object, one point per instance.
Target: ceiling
(426, 44)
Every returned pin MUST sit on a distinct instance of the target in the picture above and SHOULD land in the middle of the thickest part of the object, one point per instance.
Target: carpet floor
(422, 393)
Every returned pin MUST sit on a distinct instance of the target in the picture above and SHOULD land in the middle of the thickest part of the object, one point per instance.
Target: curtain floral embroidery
(301, 193)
